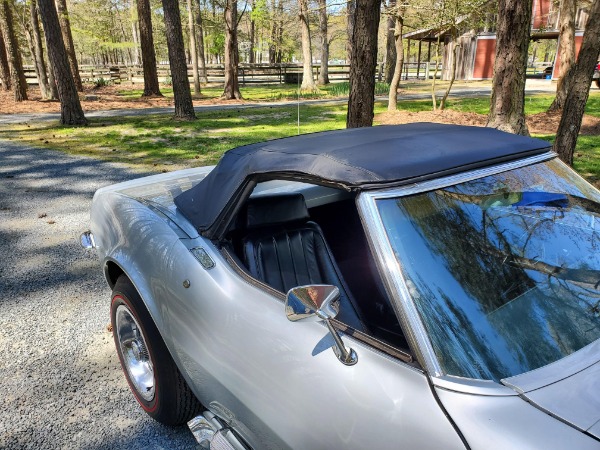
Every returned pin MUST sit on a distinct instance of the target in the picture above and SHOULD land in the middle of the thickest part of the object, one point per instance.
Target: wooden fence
(248, 73)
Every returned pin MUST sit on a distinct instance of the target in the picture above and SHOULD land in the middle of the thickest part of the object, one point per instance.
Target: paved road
(533, 87)
(61, 385)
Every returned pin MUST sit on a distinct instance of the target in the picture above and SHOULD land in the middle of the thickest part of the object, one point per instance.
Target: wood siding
(465, 57)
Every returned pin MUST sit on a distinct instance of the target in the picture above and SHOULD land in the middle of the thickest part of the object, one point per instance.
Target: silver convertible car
(418, 286)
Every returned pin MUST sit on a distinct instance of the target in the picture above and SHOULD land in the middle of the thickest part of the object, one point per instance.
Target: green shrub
(101, 82)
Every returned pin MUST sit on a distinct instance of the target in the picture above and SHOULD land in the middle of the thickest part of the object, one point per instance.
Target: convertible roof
(358, 158)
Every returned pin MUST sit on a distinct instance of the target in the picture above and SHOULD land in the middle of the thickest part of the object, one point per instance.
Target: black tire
(172, 402)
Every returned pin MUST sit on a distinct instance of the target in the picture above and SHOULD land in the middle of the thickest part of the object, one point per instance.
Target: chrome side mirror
(87, 240)
(319, 302)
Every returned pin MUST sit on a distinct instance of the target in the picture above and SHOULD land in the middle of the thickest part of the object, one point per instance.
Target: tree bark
(70, 107)
(193, 52)
(273, 40)
(151, 87)
(200, 41)
(136, 41)
(507, 109)
(184, 108)
(308, 82)
(350, 19)
(362, 76)
(397, 27)
(566, 51)
(18, 81)
(324, 71)
(232, 58)
(279, 37)
(4, 68)
(390, 45)
(452, 70)
(38, 52)
(252, 37)
(65, 26)
(579, 89)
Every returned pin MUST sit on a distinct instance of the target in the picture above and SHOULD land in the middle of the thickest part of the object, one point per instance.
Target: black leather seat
(284, 249)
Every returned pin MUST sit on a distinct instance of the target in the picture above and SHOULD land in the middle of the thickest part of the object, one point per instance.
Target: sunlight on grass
(156, 140)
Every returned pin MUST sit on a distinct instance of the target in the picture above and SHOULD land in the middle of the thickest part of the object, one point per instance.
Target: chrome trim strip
(390, 268)
(451, 180)
(395, 285)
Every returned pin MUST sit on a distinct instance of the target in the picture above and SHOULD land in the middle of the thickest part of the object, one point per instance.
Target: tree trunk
(324, 72)
(17, 81)
(4, 68)
(566, 51)
(193, 52)
(273, 40)
(397, 27)
(308, 82)
(200, 42)
(136, 42)
(38, 52)
(51, 80)
(252, 37)
(435, 72)
(65, 26)
(452, 70)
(390, 45)
(507, 109)
(184, 108)
(579, 89)
(279, 38)
(232, 57)
(70, 107)
(350, 19)
(151, 87)
(362, 76)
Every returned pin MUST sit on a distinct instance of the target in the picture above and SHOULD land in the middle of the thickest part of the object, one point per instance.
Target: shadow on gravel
(61, 385)
(45, 198)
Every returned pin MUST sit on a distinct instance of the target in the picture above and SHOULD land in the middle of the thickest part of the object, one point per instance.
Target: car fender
(136, 239)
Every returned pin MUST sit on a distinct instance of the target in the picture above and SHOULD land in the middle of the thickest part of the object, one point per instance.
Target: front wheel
(153, 377)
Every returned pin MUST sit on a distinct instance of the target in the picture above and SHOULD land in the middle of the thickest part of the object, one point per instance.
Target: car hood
(568, 389)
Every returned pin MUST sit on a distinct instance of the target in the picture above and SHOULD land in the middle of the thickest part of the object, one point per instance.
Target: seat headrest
(275, 210)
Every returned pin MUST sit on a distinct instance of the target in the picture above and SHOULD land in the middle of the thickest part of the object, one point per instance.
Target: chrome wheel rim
(134, 350)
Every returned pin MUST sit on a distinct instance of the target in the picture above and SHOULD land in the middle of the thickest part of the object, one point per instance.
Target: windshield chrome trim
(388, 265)
(451, 180)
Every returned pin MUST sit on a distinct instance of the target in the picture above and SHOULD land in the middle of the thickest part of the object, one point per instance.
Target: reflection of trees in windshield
(503, 288)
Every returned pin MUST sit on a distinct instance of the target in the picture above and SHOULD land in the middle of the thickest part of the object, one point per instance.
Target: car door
(279, 383)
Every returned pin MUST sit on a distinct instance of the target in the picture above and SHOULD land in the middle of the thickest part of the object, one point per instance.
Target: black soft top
(354, 159)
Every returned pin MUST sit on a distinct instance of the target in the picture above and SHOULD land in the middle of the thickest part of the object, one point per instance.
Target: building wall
(485, 53)
(465, 56)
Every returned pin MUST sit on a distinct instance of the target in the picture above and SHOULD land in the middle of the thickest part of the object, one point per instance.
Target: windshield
(504, 270)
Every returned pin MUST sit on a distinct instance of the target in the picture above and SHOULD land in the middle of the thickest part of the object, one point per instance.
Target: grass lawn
(155, 140)
(265, 92)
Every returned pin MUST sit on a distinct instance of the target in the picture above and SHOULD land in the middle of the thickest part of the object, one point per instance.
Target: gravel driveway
(60, 381)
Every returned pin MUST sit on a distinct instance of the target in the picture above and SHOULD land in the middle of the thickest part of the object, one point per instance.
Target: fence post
(427, 70)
